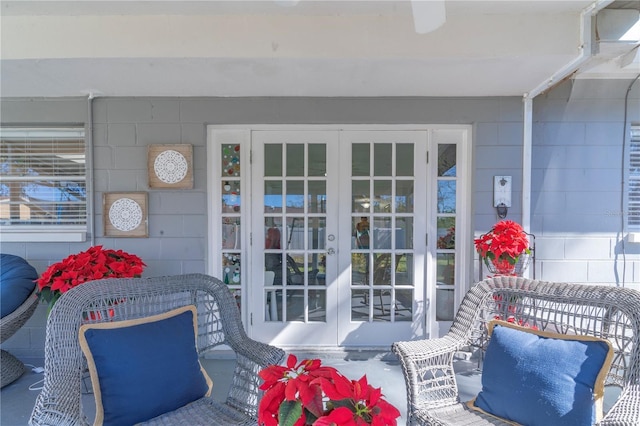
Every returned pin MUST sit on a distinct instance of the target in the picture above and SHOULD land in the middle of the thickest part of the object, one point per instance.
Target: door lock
(331, 251)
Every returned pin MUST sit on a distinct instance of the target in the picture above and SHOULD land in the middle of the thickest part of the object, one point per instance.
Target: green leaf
(289, 413)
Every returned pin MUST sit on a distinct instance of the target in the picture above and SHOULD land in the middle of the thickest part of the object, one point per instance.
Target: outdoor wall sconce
(502, 195)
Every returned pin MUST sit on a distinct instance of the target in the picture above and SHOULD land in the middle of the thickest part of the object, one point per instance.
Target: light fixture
(365, 205)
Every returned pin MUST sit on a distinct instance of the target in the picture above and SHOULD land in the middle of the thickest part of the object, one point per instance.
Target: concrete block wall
(577, 174)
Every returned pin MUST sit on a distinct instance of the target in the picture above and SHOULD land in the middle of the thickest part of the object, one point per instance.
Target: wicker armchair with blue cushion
(141, 339)
(18, 301)
(552, 353)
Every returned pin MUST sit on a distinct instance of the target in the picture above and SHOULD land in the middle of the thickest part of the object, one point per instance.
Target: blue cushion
(538, 378)
(17, 281)
(143, 368)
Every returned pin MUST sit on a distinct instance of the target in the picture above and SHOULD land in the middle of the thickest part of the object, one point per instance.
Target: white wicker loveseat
(218, 323)
(611, 313)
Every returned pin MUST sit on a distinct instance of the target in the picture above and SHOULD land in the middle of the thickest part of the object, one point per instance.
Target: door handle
(330, 251)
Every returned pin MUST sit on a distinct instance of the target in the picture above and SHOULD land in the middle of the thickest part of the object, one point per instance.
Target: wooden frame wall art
(125, 214)
(170, 166)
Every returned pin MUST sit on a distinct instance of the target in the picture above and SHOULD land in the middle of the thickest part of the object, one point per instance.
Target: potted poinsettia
(93, 264)
(308, 393)
(503, 246)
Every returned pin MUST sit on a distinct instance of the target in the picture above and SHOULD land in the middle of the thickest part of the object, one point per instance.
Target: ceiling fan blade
(428, 15)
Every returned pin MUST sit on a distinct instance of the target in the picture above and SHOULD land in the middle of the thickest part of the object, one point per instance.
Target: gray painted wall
(123, 127)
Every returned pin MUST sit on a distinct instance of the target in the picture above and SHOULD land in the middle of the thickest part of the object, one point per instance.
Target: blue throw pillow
(537, 378)
(17, 281)
(145, 367)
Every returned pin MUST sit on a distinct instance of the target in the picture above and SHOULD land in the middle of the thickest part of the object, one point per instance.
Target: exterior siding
(562, 185)
(577, 177)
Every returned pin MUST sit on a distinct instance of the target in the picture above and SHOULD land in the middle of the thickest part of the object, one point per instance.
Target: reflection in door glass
(273, 160)
(295, 196)
(295, 160)
(360, 159)
(360, 196)
(317, 159)
(272, 196)
(446, 196)
(382, 196)
(447, 160)
(317, 199)
(404, 159)
(404, 196)
(382, 159)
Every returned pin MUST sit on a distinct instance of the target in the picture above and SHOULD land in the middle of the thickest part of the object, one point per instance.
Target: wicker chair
(219, 323)
(12, 368)
(607, 312)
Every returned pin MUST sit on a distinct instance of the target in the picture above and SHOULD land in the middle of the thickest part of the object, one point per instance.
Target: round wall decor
(125, 214)
(170, 166)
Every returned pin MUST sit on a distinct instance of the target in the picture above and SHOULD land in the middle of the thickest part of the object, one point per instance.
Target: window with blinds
(633, 200)
(42, 179)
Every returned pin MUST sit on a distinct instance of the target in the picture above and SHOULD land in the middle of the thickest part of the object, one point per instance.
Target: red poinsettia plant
(503, 245)
(93, 264)
(308, 393)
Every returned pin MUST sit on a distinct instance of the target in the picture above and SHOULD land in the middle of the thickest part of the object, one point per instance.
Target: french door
(330, 228)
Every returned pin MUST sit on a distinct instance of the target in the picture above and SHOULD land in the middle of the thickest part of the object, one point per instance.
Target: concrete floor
(382, 370)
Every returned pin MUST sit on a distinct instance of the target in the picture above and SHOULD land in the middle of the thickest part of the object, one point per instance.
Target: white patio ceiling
(262, 48)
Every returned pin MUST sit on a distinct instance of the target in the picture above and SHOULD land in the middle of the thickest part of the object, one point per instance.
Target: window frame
(49, 232)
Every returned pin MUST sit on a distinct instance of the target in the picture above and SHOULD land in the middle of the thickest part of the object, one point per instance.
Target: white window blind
(633, 200)
(42, 179)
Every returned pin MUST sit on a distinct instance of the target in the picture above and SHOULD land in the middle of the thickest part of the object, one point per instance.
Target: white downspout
(586, 51)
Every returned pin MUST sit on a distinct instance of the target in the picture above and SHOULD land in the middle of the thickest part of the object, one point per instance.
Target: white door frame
(242, 134)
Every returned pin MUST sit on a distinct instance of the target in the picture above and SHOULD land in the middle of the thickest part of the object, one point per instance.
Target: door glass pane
(272, 196)
(317, 199)
(382, 159)
(404, 233)
(295, 160)
(381, 305)
(446, 196)
(360, 304)
(273, 304)
(295, 196)
(360, 159)
(404, 159)
(382, 233)
(273, 160)
(230, 160)
(317, 230)
(404, 269)
(404, 305)
(404, 196)
(231, 196)
(382, 196)
(317, 306)
(382, 268)
(447, 160)
(361, 233)
(295, 233)
(360, 268)
(360, 196)
(295, 305)
(445, 268)
(317, 159)
(446, 233)
(231, 233)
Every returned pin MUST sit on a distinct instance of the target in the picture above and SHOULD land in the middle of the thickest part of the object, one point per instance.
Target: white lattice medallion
(125, 214)
(170, 166)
